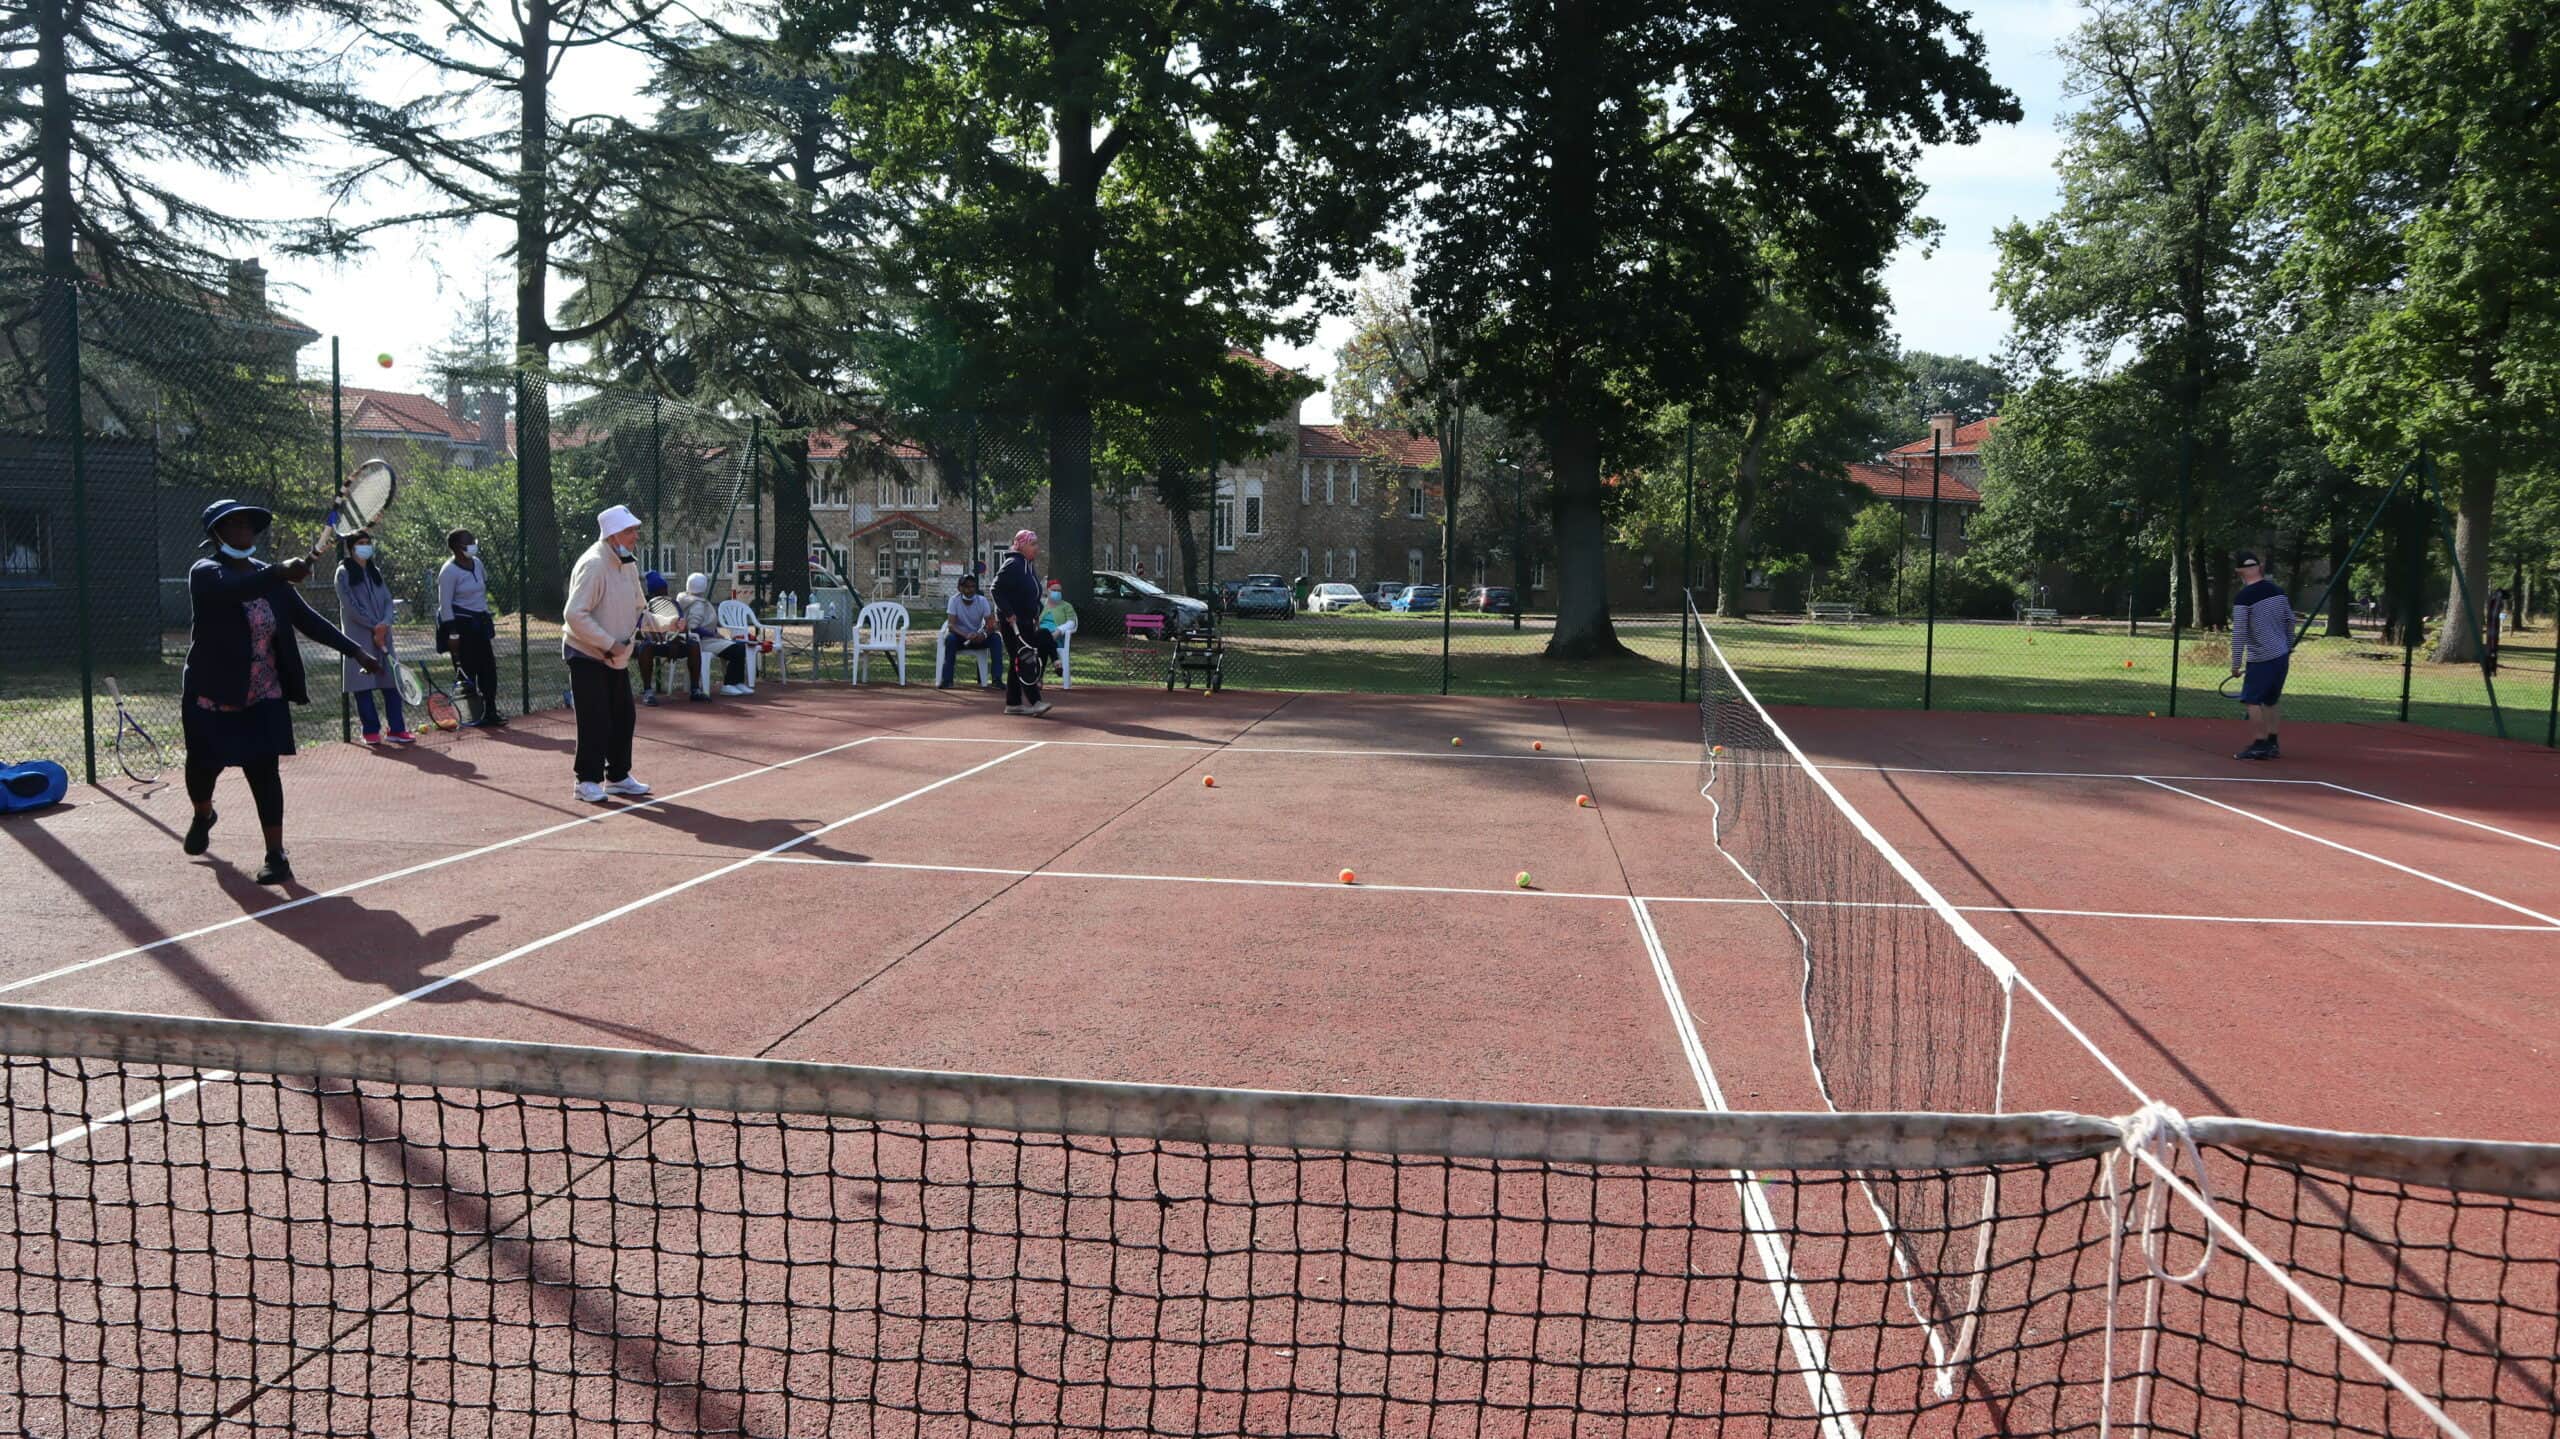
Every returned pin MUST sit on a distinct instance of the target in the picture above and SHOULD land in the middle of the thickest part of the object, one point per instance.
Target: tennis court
(2360, 939)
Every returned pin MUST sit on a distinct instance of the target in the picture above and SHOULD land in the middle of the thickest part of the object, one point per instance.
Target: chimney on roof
(1942, 428)
(453, 398)
(493, 425)
(248, 288)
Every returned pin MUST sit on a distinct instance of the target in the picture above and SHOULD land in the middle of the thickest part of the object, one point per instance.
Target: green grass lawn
(2078, 669)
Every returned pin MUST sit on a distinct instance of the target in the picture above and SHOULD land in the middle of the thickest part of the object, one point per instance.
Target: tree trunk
(546, 581)
(788, 564)
(60, 332)
(1187, 538)
(1068, 547)
(1583, 627)
(1746, 503)
(2460, 640)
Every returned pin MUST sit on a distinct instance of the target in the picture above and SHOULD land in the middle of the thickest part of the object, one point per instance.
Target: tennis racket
(438, 706)
(137, 753)
(413, 692)
(664, 617)
(2230, 687)
(368, 491)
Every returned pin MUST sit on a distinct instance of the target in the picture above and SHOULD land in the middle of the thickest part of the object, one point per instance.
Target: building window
(1355, 482)
(1648, 572)
(1413, 566)
(1538, 575)
(1413, 499)
(1329, 467)
(1107, 562)
(885, 565)
(904, 491)
(1306, 482)
(25, 557)
(1328, 563)
(1351, 564)
(1159, 561)
(1253, 510)
(1303, 565)
(1222, 518)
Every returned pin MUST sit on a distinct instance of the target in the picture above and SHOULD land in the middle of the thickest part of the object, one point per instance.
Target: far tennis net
(230, 1228)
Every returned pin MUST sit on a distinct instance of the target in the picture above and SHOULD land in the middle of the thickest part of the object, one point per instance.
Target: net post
(337, 475)
(1929, 642)
(2178, 576)
(68, 316)
(1688, 534)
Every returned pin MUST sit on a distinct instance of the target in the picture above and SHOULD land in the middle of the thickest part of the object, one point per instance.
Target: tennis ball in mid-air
(1348, 876)
(1523, 880)
(2128, 664)
(383, 359)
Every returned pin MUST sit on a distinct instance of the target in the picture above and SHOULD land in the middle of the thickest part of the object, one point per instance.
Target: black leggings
(475, 657)
(266, 785)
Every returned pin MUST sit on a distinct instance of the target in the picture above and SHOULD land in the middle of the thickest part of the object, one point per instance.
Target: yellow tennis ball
(1454, 741)
(1523, 880)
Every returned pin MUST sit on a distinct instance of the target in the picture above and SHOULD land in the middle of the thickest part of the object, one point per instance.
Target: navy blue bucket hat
(221, 510)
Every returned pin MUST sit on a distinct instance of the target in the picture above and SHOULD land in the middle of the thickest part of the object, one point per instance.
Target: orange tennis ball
(1347, 876)
(1208, 781)
(1537, 744)
(1582, 801)
(2128, 664)
(1454, 741)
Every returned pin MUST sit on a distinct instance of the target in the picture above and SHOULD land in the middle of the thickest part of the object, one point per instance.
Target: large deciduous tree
(2426, 185)
(1606, 178)
(1095, 192)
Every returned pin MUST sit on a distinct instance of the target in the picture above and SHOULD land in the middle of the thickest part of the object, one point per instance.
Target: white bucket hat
(615, 520)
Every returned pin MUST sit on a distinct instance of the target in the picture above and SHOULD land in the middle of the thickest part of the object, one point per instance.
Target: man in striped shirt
(2262, 648)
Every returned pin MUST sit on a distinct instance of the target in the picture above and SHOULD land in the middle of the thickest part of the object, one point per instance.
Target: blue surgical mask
(237, 553)
(365, 553)
(624, 555)
(471, 551)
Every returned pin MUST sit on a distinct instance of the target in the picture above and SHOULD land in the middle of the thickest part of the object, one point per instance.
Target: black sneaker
(2257, 750)
(199, 834)
(277, 869)
(2272, 751)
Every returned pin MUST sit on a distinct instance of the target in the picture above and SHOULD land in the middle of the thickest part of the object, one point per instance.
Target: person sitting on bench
(972, 627)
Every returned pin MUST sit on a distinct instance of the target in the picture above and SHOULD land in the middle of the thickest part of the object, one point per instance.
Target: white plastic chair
(734, 615)
(942, 643)
(1066, 671)
(881, 630)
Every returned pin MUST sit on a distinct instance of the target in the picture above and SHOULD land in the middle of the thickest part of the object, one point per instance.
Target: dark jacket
(1017, 592)
(218, 649)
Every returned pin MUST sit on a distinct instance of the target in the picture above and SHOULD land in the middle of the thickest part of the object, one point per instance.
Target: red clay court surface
(2361, 937)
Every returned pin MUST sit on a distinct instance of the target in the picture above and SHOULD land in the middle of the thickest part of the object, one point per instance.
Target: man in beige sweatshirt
(596, 628)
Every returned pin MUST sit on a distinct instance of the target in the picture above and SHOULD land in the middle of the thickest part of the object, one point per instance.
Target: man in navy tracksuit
(2262, 648)
(1017, 597)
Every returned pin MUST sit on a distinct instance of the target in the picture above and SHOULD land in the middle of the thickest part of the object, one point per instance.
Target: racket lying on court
(137, 753)
(368, 491)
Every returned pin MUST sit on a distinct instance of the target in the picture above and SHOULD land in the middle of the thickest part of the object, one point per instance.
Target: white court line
(2442, 815)
(11, 1161)
(2547, 921)
(1620, 898)
(1795, 1314)
(425, 865)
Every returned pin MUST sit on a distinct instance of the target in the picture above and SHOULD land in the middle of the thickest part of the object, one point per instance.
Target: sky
(400, 299)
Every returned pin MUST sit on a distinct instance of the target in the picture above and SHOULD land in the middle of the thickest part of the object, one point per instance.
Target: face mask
(471, 552)
(624, 555)
(365, 553)
(237, 553)
(1056, 595)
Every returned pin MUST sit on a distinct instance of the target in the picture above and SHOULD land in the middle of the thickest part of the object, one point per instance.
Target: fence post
(1457, 431)
(977, 547)
(2178, 563)
(657, 486)
(1688, 532)
(524, 586)
(1929, 643)
(2551, 717)
(68, 316)
(338, 476)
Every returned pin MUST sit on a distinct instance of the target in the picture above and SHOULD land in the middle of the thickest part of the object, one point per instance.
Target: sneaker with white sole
(1043, 707)
(590, 791)
(626, 786)
(1017, 709)
(734, 691)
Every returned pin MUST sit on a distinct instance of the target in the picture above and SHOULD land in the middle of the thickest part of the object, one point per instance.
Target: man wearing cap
(1017, 600)
(597, 629)
(2262, 650)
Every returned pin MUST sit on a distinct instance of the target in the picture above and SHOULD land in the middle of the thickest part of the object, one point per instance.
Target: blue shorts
(2263, 683)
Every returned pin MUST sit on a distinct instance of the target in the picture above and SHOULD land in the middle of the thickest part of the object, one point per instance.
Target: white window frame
(1355, 482)
(1306, 482)
(1253, 515)
(1329, 467)
(1222, 518)
(1648, 572)
(1537, 575)
(1328, 563)
(1416, 567)
(1351, 564)
(1107, 562)
(1159, 575)
(1414, 500)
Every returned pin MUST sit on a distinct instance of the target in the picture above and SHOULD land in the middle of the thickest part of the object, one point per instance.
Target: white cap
(615, 520)
(697, 583)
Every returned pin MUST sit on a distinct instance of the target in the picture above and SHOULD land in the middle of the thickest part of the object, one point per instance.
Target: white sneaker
(590, 791)
(1041, 708)
(1017, 709)
(735, 690)
(626, 786)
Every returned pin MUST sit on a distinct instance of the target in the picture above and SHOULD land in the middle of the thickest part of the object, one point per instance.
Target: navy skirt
(233, 737)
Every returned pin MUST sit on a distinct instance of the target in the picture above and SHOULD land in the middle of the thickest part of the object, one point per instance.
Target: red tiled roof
(387, 412)
(1911, 482)
(1268, 367)
(1967, 439)
(1347, 442)
(832, 445)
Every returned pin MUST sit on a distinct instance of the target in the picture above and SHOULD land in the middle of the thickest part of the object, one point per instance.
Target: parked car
(1418, 599)
(1384, 596)
(1490, 599)
(1326, 599)
(1227, 589)
(1260, 595)
(1116, 596)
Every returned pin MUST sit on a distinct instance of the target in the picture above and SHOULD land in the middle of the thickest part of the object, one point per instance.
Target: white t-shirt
(970, 613)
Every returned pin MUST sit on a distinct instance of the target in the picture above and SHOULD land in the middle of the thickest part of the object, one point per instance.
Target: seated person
(702, 621)
(1057, 616)
(971, 627)
(649, 650)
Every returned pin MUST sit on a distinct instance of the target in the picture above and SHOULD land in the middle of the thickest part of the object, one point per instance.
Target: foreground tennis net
(220, 1227)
